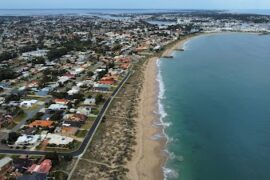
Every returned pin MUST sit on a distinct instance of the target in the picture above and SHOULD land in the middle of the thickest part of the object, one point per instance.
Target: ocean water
(252, 11)
(80, 12)
(215, 101)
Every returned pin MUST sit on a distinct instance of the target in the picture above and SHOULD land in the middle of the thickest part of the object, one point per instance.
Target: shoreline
(149, 157)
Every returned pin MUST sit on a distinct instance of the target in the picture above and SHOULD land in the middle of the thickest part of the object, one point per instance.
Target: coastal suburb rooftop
(70, 86)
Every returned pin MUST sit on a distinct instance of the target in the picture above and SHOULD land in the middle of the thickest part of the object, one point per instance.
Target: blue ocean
(215, 102)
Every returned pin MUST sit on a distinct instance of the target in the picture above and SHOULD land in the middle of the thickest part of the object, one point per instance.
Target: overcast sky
(133, 4)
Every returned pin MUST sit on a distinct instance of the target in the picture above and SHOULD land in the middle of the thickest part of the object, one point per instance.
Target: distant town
(60, 77)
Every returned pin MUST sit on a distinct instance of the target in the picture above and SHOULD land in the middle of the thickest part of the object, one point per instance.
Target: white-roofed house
(28, 103)
(58, 139)
(57, 107)
(28, 140)
(90, 101)
(85, 110)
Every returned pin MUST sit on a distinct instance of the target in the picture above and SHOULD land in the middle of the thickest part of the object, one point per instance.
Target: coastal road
(89, 136)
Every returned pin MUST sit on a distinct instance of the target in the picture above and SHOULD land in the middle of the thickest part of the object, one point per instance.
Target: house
(74, 120)
(58, 139)
(107, 80)
(63, 79)
(77, 71)
(29, 131)
(75, 117)
(28, 103)
(44, 91)
(2, 99)
(125, 66)
(74, 90)
(57, 107)
(42, 168)
(61, 101)
(89, 101)
(27, 140)
(38, 53)
(86, 83)
(5, 120)
(68, 130)
(41, 123)
(101, 87)
(76, 124)
(70, 75)
(5, 165)
(33, 84)
(85, 110)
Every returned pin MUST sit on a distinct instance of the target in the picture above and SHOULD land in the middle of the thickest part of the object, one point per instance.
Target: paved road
(87, 138)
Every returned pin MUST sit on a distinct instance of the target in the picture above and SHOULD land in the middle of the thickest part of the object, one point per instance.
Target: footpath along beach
(149, 157)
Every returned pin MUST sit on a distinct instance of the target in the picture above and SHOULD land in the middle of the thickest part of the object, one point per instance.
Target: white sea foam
(170, 173)
(185, 45)
(172, 156)
(162, 114)
(157, 137)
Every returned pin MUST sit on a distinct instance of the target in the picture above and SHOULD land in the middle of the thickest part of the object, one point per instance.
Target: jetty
(264, 33)
(167, 57)
(179, 49)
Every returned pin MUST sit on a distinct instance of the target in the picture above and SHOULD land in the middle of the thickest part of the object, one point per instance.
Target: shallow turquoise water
(217, 99)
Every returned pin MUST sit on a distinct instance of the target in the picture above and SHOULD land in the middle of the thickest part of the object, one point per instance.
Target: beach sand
(149, 157)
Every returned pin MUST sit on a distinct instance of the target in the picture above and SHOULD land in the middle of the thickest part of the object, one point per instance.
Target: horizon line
(125, 9)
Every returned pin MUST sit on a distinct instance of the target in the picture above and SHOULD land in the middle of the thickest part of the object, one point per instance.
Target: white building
(31, 54)
(89, 101)
(63, 79)
(74, 90)
(28, 140)
(57, 107)
(85, 110)
(28, 103)
(58, 139)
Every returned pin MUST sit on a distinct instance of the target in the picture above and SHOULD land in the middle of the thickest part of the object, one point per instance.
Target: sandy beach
(149, 157)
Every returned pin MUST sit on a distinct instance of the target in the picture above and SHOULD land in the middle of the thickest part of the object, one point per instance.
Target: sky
(135, 4)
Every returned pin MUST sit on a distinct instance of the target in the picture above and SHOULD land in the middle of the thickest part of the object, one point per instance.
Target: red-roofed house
(68, 74)
(107, 80)
(33, 83)
(124, 60)
(61, 101)
(125, 66)
(41, 123)
(44, 167)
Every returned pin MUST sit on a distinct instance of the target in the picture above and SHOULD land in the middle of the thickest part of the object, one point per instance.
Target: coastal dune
(149, 157)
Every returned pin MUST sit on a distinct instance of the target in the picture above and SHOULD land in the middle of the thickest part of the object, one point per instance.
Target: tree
(3, 141)
(8, 55)
(57, 53)
(90, 73)
(99, 98)
(12, 137)
(102, 73)
(68, 157)
(57, 116)
(38, 60)
(7, 73)
(54, 157)
(111, 65)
